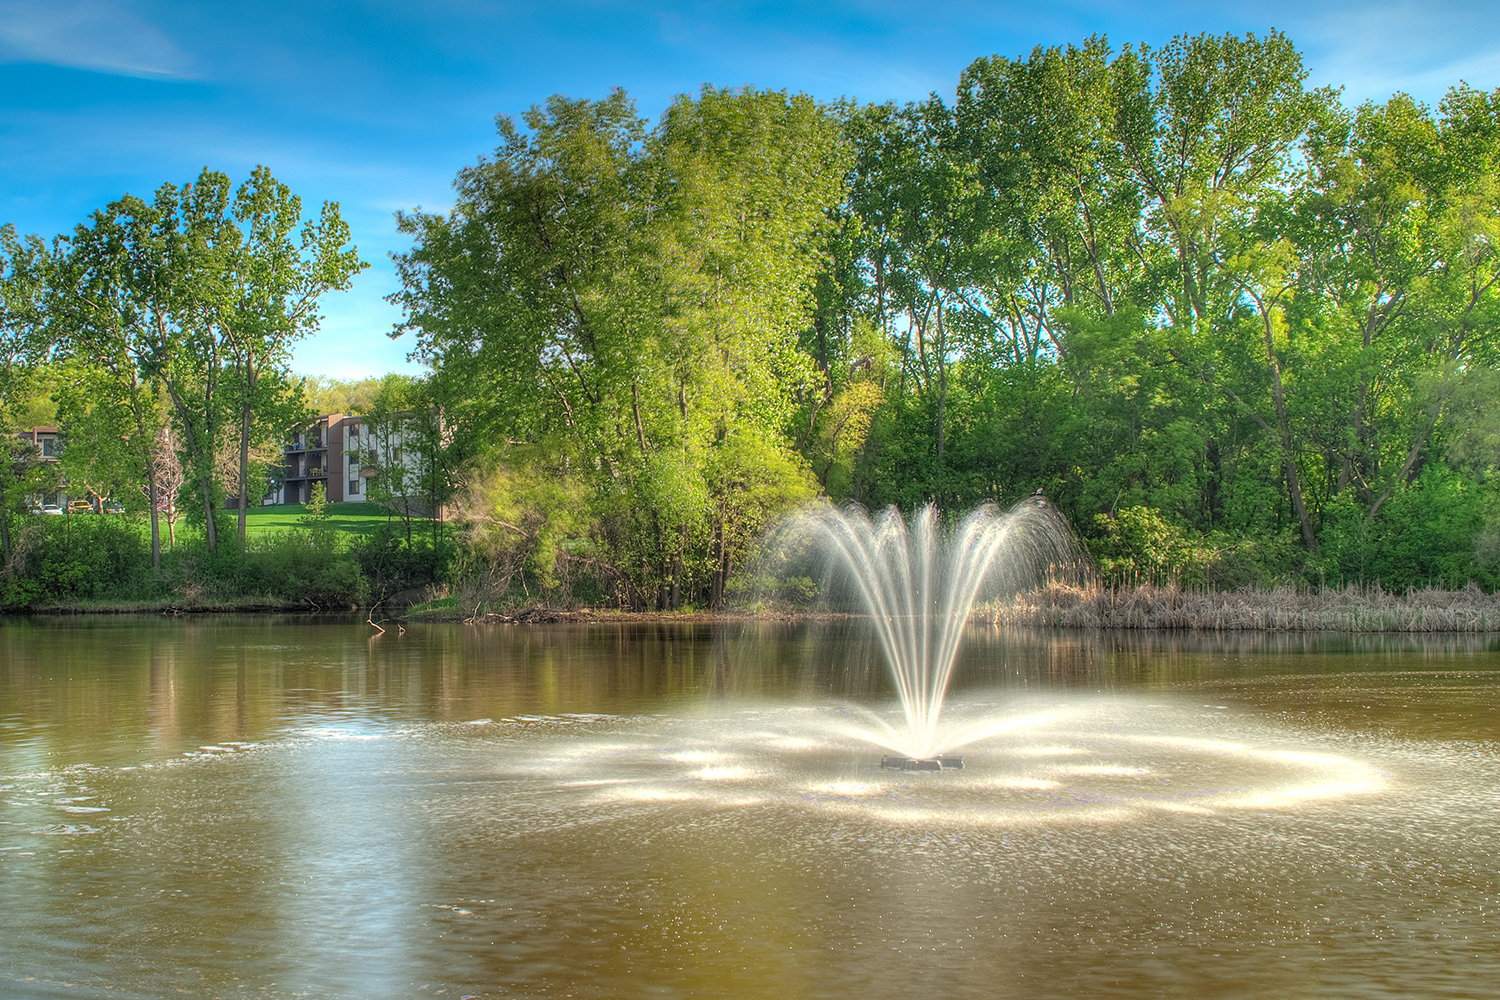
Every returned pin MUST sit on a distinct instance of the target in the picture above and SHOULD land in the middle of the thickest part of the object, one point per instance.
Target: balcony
(304, 444)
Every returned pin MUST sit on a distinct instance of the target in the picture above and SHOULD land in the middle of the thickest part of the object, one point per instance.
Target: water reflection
(292, 808)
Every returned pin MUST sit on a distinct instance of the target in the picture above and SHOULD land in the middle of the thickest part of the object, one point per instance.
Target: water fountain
(918, 585)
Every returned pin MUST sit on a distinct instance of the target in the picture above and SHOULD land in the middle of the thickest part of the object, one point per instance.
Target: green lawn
(351, 518)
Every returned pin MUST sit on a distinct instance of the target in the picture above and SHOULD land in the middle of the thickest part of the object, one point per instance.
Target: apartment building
(344, 452)
(49, 443)
(311, 452)
(47, 440)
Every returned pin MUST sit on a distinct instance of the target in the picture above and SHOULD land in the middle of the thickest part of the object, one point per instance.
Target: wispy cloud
(1373, 49)
(88, 34)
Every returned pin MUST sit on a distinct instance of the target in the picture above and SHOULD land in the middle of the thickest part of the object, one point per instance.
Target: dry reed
(1351, 609)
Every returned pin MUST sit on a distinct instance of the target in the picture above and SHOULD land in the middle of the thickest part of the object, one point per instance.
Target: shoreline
(1143, 608)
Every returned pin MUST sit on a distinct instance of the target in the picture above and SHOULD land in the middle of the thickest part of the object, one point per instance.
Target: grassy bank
(348, 520)
(90, 563)
(353, 557)
(1351, 609)
(1282, 609)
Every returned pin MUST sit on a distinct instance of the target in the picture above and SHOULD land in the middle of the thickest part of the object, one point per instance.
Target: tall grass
(1354, 608)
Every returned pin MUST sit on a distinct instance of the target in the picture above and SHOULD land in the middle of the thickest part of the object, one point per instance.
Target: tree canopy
(619, 308)
(1236, 330)
(1169, 280)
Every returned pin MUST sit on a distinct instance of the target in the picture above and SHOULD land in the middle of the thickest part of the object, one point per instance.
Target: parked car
(80, 507)
(49, 508)
(113, 507)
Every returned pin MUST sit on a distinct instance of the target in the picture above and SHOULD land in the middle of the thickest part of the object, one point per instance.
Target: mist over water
(292, 808)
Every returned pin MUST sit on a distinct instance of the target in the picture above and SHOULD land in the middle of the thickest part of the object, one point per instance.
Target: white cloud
(88, 34)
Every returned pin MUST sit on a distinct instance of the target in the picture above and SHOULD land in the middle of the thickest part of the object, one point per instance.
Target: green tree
(23, 475)
(279, 274)
(25, 265)
(326, 394)
(411, 452)
(1402, 229)
(199, 294)
(117, 311)
(1123, 227)
(628, 304)
(316, 509)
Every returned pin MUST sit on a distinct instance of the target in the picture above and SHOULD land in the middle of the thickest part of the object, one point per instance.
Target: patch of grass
(175, 604)
(437, 604)
(362, 519)
(348, 521)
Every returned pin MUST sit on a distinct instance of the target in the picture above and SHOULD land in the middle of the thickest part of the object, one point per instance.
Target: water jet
(917, 584)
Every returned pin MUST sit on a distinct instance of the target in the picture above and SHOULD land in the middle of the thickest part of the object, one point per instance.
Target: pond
(283, 807)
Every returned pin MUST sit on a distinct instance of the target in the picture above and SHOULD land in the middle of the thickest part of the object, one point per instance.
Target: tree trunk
(1408, 467)
(200, 461)
(721, 567)
(675, 601)
(942, 402)
(1293, 480)
(210, 528)
(245, 416)
(151, 499)
(244, 484)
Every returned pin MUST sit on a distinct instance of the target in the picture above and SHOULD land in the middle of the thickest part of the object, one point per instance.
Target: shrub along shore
(346, 559)
(337, 558)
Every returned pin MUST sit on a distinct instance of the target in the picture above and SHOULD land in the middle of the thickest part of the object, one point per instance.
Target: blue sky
(376, 105)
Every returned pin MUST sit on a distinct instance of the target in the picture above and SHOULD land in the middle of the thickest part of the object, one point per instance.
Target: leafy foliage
(620, 308)
(1236, 331)
(56, 559)
(1180, 281)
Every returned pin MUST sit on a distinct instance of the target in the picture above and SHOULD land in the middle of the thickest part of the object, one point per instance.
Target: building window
(354, 487)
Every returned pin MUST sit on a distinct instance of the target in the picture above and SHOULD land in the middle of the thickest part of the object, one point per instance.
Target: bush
(297, 566)
(390, 566)
(1141, 546)
(1429, 533)
(57, 559)
(305, 567)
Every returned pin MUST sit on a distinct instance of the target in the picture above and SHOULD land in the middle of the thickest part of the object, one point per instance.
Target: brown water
(279, 808)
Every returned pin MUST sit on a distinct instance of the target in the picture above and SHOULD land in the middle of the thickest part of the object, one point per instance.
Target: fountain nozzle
(938, 763)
